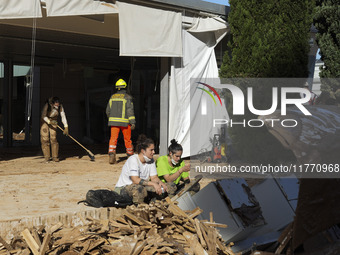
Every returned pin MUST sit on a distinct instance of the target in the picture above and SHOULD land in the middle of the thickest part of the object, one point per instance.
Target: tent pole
(164, 105)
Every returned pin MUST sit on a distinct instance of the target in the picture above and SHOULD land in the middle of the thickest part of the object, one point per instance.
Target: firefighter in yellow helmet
(120, 114)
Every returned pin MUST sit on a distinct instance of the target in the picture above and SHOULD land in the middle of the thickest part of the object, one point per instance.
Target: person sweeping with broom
(48, 128)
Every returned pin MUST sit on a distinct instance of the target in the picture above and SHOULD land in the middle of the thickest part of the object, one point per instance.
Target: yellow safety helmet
(121, 84)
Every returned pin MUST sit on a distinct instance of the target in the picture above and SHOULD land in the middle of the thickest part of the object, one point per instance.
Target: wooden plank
(17, 251)
(226, 250)
(105, 225)
(56, 227)
(95, 244)
(32, 244)
(122, 220)
(7, 246)
(215, 225)
(139, 221)
(178, 211)
(71, 236)
(204, 232)
(190, 228)
(198, 249)
(197, 211)
(139, 247)
(211, 217)
(45, 243)
(178, 237)
(212, 236)
(150, 252)
(85, 247)
(166, 250)
(199, 233)
(26, 252)
(81, 218)
(36, 237)
(119, 225)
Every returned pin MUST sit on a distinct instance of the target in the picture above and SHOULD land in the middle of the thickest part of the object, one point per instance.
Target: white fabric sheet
(145, 31)
(199, 63)
(78, 7)
(10, 9)
(208, 24)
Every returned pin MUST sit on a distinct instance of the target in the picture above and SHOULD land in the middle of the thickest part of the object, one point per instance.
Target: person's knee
(54, 140)
(171, 188)
(196, 187)
(44, 140)
(137, 192)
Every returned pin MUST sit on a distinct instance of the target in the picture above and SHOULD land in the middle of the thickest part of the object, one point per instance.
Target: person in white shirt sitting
(139, 178)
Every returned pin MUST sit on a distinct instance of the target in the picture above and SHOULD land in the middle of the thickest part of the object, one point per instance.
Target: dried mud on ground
(30, 188)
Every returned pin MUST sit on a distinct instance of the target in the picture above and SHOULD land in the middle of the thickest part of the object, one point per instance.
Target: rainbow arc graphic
(209, 93)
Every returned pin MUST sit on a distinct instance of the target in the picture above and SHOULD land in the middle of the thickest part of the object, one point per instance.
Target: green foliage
(327, 21)
(268, 39)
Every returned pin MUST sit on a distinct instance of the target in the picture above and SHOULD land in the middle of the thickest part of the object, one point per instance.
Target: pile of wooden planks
(156, 228)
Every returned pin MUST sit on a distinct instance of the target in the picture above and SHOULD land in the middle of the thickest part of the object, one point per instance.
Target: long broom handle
(77, 142)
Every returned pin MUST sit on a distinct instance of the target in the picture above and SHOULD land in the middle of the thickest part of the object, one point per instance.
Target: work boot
(55, 152)
(112, 157)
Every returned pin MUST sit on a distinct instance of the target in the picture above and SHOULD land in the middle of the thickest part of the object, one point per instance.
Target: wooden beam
(7, 246)
(215, 225)
(45, 243)
(198, 249)
(197, 211)
(32, 244)
(199, 233)
(139, 221)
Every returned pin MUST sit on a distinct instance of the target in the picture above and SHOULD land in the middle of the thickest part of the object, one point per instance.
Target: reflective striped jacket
(119, 109)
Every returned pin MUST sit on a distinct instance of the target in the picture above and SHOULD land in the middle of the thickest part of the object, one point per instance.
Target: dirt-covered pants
(140, 193)
(48, 137)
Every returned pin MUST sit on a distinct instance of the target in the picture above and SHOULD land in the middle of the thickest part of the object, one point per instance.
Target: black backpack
(106, 198)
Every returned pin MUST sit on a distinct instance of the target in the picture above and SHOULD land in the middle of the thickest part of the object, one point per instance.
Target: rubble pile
(160, 227)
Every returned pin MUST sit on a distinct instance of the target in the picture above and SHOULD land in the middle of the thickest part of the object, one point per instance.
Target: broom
(90, 154)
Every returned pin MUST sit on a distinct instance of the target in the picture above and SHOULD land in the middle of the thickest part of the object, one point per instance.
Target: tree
(268, 39)
(327, 21)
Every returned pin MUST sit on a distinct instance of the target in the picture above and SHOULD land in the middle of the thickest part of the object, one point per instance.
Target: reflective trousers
(127, 139)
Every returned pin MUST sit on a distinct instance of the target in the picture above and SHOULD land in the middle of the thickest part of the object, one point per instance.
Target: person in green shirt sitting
(172, 168)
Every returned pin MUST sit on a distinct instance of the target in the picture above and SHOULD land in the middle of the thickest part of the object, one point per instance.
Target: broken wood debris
(155, 228)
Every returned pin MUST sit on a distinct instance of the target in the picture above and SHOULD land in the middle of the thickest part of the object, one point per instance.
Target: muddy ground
(29, 187)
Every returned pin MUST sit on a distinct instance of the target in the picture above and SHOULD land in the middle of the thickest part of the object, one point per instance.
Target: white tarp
(208, 24)
(145, 31)
(10, 9)
(78, 7)
(198, 63)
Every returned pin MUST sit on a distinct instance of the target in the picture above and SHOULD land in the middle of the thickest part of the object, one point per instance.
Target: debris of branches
(156, 228)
